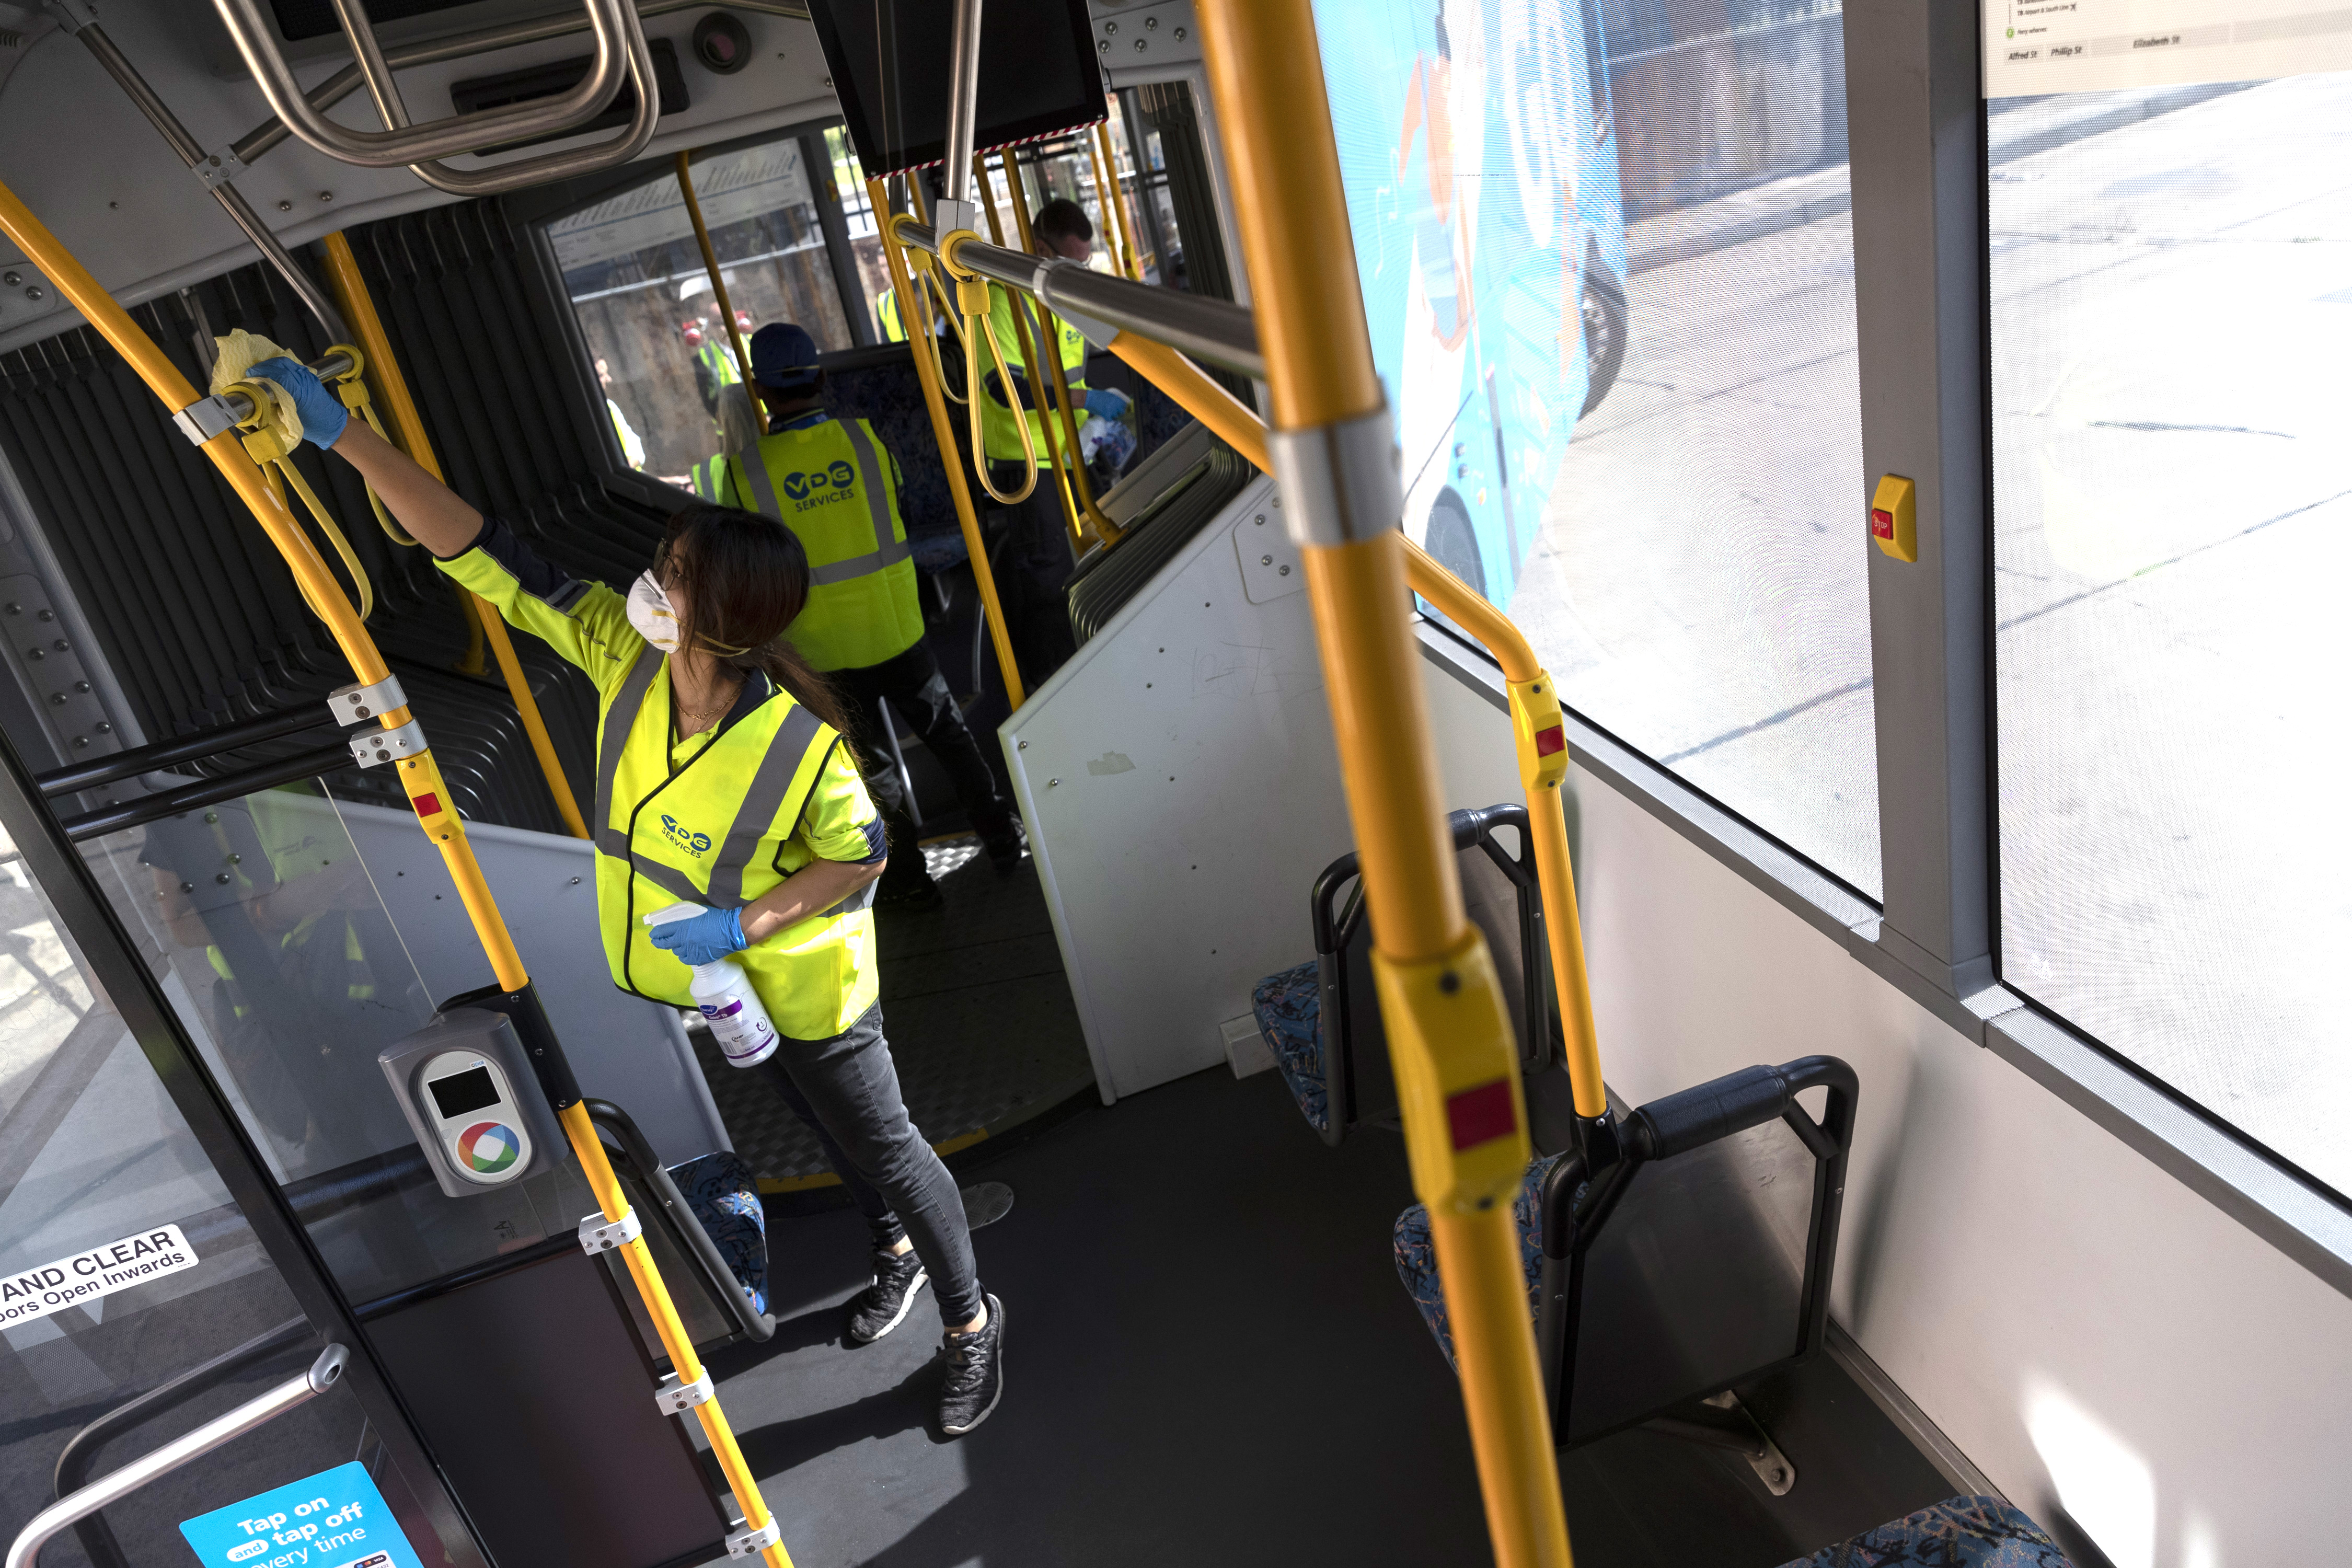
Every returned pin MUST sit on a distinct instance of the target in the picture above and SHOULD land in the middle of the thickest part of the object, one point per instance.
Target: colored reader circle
(488, 1147)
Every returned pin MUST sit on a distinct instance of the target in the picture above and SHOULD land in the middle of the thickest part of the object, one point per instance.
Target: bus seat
(1697, 1259)
(1959, 1533)
(1321, 1019)
(725, 1198)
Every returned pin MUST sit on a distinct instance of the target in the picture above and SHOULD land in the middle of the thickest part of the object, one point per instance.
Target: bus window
(644, 301)
(864, 238)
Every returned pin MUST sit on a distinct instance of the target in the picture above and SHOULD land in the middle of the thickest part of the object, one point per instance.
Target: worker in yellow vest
(1037, 559)
(721, 781)
(834, 484)
(714, 358)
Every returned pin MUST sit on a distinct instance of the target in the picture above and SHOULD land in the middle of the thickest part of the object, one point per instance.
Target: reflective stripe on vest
(888, 548)
(761, 804)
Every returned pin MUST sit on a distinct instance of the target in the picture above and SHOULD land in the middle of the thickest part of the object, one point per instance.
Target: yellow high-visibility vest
(834, 484)
(772, 790)
(1002, 436)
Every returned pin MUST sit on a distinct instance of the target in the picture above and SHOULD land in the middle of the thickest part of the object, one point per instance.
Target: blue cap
(783, 357)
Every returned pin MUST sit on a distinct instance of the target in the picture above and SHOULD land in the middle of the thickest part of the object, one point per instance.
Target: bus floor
(977, 1010)
(1210, 1360)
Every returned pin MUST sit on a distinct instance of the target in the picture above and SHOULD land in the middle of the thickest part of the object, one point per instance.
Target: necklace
(705, 714)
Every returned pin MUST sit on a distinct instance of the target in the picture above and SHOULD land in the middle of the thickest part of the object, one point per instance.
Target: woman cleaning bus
(722, 780)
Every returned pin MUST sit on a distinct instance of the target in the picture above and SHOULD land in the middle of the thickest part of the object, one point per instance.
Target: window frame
(1922, 274)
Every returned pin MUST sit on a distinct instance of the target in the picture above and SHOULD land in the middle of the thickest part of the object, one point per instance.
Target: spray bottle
(738, 1019)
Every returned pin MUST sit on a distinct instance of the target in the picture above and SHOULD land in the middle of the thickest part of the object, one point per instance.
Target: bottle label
(728, 1011)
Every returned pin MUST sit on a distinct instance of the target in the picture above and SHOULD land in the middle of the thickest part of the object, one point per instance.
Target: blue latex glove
(323, 414)
(1107, 401)
(706, 938)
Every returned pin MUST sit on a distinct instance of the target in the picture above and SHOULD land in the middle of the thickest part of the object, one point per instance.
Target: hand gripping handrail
(24, 1552)
(1449, 1036)
(249, 24)
(429, 795)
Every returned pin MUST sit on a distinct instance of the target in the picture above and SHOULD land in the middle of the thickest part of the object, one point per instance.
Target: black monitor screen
(463, 1091)
(889, 63)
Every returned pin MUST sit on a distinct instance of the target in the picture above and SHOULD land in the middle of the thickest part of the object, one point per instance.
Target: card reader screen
(463, 1091)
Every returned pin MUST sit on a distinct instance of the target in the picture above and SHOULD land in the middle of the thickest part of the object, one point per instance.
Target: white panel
(1181, 793)
(624, 1048)
(2099, 1340)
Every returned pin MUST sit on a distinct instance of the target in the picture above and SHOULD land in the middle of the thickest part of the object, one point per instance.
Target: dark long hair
(746, 579)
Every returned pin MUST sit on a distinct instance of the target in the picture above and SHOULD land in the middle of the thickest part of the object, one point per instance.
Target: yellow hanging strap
(930, 294)
(419, 774)
(1030, 356)
(972, 299)
(484, 623)
(270, 436)
(1081, 485)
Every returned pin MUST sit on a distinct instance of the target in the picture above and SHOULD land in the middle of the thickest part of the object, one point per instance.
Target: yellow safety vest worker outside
(1002, 435)
(893, 331)
(719, 361)
(833, 483)
(718, 819)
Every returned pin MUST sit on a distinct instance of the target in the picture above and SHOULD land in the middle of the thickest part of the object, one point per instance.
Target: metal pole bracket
(752, 1543)
(598, 1233)
(355, 703)
(204, 418)
(220, 166)
(676, 1398)
(379, 746)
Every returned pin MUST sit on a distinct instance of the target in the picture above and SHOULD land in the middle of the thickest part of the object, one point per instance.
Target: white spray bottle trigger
(675, 913)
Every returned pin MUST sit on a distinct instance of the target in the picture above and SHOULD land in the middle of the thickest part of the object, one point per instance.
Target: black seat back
(1500, 892)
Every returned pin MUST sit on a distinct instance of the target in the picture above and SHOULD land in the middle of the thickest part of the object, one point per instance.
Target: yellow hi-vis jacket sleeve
(587, 623)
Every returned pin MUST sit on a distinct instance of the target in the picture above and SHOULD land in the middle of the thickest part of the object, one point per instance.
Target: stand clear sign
(335, 1519)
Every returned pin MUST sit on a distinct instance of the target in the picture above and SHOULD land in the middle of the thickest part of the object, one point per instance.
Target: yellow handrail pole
(1450, 1035)
(420, 776)
(1235, 422)
(927, 370)
(1539, 730)
(357, 306)
(710, 262)
(1083, 486)
(1029, 359)
(1115, 199)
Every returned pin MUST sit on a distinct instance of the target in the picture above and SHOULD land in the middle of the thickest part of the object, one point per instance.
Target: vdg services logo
(685, 838)
(826, 484)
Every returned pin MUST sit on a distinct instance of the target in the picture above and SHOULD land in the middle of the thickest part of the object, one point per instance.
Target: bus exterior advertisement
(1478, 154)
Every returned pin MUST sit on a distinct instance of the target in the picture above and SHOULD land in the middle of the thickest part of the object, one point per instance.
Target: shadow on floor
(1210, 1360)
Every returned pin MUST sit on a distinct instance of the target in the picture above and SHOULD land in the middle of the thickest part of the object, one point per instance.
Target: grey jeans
(846, 1090)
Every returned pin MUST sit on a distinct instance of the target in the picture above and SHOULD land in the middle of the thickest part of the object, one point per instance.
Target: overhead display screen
(2087, 46)
(890, 70)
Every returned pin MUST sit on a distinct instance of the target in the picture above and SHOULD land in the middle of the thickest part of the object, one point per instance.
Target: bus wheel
(1454, 543)
(1604, 340)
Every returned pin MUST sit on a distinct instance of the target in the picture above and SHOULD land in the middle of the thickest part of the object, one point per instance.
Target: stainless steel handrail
(1217, 331)
(563, 164)
(115, 1485)
(231, 200)
(263, 137)
(611, 21)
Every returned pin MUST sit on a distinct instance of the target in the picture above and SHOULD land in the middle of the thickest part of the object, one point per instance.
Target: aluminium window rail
(24, 1552)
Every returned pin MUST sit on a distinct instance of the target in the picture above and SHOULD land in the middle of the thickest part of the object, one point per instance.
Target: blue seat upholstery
(1416, 1255)
(720, 1190)
(1959, 1533)
(1288, 1007)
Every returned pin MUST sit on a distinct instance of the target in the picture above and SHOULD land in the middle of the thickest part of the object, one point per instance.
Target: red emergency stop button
(427, 804)
(1549, 740)
(1882, 523)
(1480, 1115)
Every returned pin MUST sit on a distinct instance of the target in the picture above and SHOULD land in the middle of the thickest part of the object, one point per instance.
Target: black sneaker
(1005, 846)
(975, 1379)
(898, 1276)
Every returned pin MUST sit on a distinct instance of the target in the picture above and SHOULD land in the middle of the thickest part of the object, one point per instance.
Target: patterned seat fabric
(1959, 1533)
(720, 1190)
(1416, 1255)
(1289, 1008)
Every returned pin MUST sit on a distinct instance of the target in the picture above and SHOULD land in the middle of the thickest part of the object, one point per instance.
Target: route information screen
(2088, 45)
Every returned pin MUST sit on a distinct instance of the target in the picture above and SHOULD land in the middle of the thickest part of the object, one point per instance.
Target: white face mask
(651, 613)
